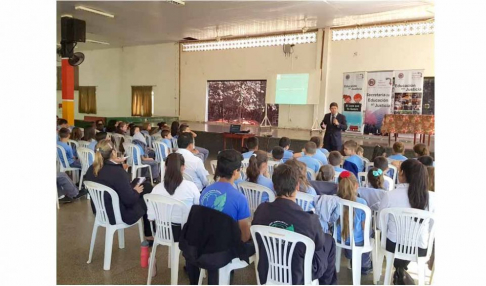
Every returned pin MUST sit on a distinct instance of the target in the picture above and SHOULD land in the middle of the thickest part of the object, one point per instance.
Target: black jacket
(112, 175)
(333, 131)
(211, 239)
(324, 188)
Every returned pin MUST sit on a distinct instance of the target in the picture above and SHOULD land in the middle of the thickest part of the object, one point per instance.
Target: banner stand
(315, 125)
(265, 122)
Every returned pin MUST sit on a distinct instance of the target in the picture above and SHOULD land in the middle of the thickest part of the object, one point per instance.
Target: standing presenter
(334, 123)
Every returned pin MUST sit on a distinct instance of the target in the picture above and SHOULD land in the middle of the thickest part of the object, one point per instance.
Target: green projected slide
(292, 88)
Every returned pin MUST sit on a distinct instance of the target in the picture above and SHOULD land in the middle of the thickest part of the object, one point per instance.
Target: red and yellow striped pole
(67, 91)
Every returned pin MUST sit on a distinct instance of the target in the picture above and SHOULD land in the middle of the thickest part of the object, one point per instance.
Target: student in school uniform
(252, 145)
(335, 159)
(381, 163)
(166, 138)
(305, 186)
(64, 135)
(350, 148)
(277, 154)
(146, 127)
(308, 159)
(318, 155)
(89, 136)
(257, 171)
(398, 150)
(194, 166)
(319, 144)
(284, 142)
(146, 153)
(324, 183)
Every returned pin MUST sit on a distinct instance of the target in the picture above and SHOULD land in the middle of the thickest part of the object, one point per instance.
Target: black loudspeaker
(73, 30)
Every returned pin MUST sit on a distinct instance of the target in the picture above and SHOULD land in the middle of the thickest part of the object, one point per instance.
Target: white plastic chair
(363, 177)
(279, 245)
(174, 144)
(97, 192)
(395, 173)
(66, 167)
(74, 144)
(148, 139)
(133, 152)
(391, 183)
(164, 209)
(271, 166)
(213, 164)
(84, 155)
(304, 201)
(411, 226)
(118, 138)
(311, 175)
(161, 150)
(336, 176)
(366, 163)
(224, 273)
(253, 193)
(83, 144)
(357, 250)
(245, 163)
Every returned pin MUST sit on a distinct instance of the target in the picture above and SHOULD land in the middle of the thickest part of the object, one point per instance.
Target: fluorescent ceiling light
(94, 11)
(97, 42)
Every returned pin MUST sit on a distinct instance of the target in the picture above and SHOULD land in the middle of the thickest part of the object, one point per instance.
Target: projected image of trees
(241, 102)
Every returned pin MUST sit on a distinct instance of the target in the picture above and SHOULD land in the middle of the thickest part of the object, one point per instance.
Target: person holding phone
(334, 123)
(107, 171)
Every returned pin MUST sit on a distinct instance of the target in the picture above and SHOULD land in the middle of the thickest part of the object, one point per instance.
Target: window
(239, 101)
(142, 101)
(87, 99)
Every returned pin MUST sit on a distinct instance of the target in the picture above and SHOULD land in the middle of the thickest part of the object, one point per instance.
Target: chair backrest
(395, 172)
(245, 163)
(311, 175)
(253, 193)
(391, 183)
(132, 152)
(96, 192)
(411, 226)
(148, 139)
(61, 156)
(352, 206)
(366, 163)
(118, 138)
(363, 178)
(174, 144)
(271, 166)
(336, 176)
(243, 173)
(73, 144)
(369, 166)
(163, 208)
(86, 158)
(213, 164)
(304, 201)
(279, 245)
(128, 139)
(161, 150)
(83, 144)
(188, 177)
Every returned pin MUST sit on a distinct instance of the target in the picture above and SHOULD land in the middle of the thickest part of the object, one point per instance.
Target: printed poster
(409, 88)
(378, 100)
(353, 91)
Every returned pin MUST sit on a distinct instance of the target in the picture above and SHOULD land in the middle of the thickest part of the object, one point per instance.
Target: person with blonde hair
(348, 190)
(107, 171)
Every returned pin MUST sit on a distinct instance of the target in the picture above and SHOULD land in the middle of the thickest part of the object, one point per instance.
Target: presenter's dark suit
(332, 137)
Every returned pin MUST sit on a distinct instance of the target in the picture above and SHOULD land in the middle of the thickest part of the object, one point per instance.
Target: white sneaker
(349, 264)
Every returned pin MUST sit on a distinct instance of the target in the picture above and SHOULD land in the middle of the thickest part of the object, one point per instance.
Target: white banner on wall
(353, 95)
(409, 88)
(378, 100)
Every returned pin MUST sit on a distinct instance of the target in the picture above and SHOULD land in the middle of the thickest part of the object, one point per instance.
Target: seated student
(309, 157)
(277, 154)
(223, 196)
(360, 151)
(319, 156)
(410, 193)
(66, 188)
(350, 148)
(64, 135)
(107, 172)
(146, 128)
(319, 144)
(304, 186)
(194, 166)
(162, 125)
(174, 186)
(200, 152)
(174, 129)
(89, 136)
(426, 160)
(335, 159)
(100, 126)
(285, 213)
(146, 153)
(166, 138)
(76, 134)
(421, 150)
(122, 128)
(398, 150)
(378, 151)
(324, 183)
(62, 123)
(257, 171)
(375, 190)
(284, 142)
(252, 145)
(381, 163)
(375, 178)
(348, 190)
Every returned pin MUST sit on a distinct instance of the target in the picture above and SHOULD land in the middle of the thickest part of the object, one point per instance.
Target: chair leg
(202, 274)
(140, 230)
(375, 259)
(134, 172)
(432, 274)
(151, 177)
(356, 267)
(421, 270)
(57, 200)
(151, 264)
(174, 261)
(121, 238)
(108, 247)
(81, 181)
(338, 258)
(93, 239)
(224, 275)
(390, 257)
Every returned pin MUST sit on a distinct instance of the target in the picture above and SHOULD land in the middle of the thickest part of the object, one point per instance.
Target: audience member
(319, 144)
(257, 170)
(375, 178)
(318, 155)
(350, 148)
(147, 154)
(166, 138)
(398, 150)
(194, 166)
(421, 150)
(76, 134)
(64, 135)
(66, 188)
(122, 128)
(304, 185)
(360, 152)
(146, 127)
(100, 126)
(348, 190)
(325, 183)
(285, 213)
(174, 129)
(426, 160)
(202, 153)
(381, 163)
(284, 142)
(278, 153)
(223, 196)
(325, 174)
(89, 136)
(336, 159)
(378, 151)
(308, 159)
(62, 123)
(252, 145)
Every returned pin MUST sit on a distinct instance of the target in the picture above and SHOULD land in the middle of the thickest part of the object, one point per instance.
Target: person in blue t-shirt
(252, 145)
(223, 196)
(308, 159)
(257, 172)
(336, 159)
(167, 139)
(284, 142)
(318, 155)
(64, 135)
(277, 154)
(305, 185)
(89, 136)
(350, 148)
(319, 144)
(348, 190)
(381, 162)
(398, 150)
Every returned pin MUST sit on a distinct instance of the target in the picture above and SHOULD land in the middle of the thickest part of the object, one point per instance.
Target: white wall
(240, 64)
(393, 53)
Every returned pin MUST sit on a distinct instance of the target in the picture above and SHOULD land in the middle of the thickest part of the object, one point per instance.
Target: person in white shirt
(194, 166)
(174, 186)
(410, 193)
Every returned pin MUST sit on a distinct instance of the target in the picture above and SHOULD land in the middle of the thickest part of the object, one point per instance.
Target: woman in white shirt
(174, 186)
(410, 193)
